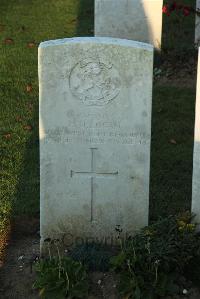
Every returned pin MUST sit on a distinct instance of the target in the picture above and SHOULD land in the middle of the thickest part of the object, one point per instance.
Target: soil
(177, 73)
(17, 273)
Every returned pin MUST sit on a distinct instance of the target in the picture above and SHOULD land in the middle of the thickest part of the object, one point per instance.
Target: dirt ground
(17, 272)
(176, 73)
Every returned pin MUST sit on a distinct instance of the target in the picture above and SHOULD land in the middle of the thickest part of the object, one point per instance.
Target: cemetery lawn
(23, 25)
(171, 150)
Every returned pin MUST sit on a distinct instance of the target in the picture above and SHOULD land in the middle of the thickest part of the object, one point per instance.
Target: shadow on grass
(26, 202)
(20, 163)
(178, 32)
(171, 150)
(85, 25)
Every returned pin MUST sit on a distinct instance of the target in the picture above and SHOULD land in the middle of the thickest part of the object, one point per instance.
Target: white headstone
(197, 25)
(139, 20)
(95, 129)
(196, 158)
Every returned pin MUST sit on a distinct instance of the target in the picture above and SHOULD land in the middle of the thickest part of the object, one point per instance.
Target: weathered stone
(197, 24)
(95, 129)
(196, 158)
(139, 20)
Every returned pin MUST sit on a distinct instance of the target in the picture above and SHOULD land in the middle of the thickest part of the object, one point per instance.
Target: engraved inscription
(92, 174)
(95, 83)
(68, 135)
(105, 133)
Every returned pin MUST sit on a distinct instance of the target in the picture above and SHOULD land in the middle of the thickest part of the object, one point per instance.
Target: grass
(23, 25)
(171, 150)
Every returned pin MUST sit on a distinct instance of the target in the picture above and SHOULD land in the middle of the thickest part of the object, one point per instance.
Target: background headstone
(139, 20)
(95, 130)
(196, 159)
(197, 25)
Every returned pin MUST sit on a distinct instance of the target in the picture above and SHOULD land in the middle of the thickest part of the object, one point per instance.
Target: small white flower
(157, 262)
(99, 282)
(185, 292)
(20, 257)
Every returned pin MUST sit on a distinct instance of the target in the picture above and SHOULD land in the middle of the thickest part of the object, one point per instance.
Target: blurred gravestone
(139, 20)
(197, 25)
(196, 159)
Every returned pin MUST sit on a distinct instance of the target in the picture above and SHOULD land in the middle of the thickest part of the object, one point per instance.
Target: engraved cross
(92, 174)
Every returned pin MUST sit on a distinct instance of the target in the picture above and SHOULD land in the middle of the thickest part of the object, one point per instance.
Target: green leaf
(137, 293)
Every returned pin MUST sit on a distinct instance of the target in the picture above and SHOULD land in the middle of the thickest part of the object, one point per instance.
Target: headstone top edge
(97, 40)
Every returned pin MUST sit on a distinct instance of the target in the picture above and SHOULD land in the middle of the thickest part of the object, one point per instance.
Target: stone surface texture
(196, 158)
(139, 20)
(95, 130)
(197, 25)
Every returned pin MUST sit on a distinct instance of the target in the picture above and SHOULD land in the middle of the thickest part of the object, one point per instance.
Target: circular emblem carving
(94, 82)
